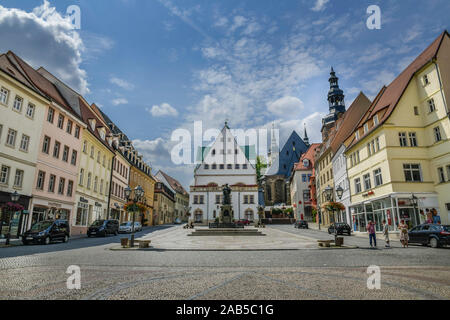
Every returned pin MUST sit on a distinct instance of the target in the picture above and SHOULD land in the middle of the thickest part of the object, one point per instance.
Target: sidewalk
(392, 235)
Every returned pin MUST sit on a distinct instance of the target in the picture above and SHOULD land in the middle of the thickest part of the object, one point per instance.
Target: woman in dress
(404, 238)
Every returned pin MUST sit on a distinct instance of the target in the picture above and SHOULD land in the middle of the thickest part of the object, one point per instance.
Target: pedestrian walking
(404, 237)
(386, 234)
(372, 236)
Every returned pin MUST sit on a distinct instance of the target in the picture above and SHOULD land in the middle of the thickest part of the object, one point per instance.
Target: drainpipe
(440, 87)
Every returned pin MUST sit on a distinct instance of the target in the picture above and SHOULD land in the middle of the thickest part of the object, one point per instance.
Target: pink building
(53, 193)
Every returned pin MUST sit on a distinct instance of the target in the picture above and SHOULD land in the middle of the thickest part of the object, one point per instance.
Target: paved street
(39, 271)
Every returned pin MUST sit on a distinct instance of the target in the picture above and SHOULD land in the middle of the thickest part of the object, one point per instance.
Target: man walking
(386, 234)
(372, 237)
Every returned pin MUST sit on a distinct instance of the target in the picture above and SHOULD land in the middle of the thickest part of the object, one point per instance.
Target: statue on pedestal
(226, 211)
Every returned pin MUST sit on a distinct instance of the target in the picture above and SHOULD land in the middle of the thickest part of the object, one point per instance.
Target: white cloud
(29, 34)
(119, 101)
(164, 110)
(285, 107)
(320, 5)
(122, 83)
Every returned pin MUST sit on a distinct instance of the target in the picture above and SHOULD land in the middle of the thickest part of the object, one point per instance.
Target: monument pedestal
(226, 214)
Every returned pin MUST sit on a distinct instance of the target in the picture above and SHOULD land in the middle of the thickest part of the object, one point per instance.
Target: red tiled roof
(174, 184)
(389, 96)
(309, 154)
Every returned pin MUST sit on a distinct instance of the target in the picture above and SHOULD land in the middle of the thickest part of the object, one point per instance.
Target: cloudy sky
(157, 65)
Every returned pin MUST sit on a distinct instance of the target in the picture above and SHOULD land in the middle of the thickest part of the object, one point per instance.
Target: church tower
(336, 104)
(273, 151)
(305, 136)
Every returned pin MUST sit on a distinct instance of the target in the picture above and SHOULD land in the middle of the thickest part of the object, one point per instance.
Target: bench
(324, 243)
(143, 243)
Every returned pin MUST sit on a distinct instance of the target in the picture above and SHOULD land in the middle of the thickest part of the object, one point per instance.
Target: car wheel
(46, 240)
(66, 239)
(434, 243)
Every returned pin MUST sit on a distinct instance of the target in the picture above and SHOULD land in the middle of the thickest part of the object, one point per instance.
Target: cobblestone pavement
(39, 272)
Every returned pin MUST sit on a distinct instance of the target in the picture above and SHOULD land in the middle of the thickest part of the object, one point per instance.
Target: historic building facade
(224, 162)
(22, 109)
(398, 156)
(181, 195)
(164, 202)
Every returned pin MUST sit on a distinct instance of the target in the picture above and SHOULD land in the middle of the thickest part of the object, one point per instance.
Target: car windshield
(125, 224)
(446, 228)
(97, 223)
(41, 226)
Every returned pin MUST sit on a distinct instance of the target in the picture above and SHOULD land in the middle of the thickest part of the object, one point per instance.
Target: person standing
(372, 236)
(386, 234)
(404, 237)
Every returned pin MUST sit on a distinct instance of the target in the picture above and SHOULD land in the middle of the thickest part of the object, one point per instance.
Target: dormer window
(366, 127)
(92, 123)
(357, 135)
(425, 80)
(375, 120)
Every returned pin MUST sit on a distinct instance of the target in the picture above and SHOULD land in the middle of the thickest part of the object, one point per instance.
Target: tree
(260, 164)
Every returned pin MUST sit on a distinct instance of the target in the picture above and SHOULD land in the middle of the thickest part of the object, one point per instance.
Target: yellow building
(398, 158)
(140, 175)
(92, 191)
(164, 203)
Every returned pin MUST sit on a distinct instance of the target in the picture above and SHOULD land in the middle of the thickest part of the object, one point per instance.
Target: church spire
(305, 137)
(336, 102)
(273, 152)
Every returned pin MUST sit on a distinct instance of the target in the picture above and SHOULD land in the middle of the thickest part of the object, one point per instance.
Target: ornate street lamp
(138, 195)
(328, 193)
(339, 192)
(14, 198)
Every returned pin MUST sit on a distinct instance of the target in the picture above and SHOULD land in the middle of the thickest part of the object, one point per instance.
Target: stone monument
(226, 210)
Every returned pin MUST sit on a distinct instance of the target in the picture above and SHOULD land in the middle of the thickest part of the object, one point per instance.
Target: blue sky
(156, 65)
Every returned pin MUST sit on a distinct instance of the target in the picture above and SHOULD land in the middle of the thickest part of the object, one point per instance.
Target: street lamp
(415, 202)
(138, 195)
(14, 198)
(339, 192)
(328, 193)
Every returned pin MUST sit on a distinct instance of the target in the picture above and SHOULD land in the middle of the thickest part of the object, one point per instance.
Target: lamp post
(137, 197)
(14, 198)
(415, 201)
(339, 192)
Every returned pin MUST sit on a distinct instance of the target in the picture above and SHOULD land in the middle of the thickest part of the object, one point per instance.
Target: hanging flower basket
(12, 207)
(130, 206)
(334, 206)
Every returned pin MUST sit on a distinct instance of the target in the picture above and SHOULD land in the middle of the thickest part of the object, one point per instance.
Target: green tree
(260, 164)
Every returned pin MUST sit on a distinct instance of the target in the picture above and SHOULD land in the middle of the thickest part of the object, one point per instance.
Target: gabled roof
(39, 81)
(309, 154)
(174, 184)
(347, 124)
(389, 96)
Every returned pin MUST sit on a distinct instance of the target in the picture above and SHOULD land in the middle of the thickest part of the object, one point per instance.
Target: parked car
(47, 231)
(103, 228)
(340, 228)
(177, 221)
(126, 227)
(434, 235)
(244, 222)
(301, 224)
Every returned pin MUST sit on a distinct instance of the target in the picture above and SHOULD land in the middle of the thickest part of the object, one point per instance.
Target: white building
(341, 180)
(224, 162)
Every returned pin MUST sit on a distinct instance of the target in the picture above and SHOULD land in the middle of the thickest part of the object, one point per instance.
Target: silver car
(126, 227)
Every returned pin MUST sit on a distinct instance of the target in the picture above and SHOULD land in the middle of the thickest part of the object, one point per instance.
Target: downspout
(440, 87)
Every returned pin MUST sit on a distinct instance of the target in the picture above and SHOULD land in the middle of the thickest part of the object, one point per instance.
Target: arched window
(198, 216)
(249, 214)
(269, 193)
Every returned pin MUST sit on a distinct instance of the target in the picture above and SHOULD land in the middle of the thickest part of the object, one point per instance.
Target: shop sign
(54, 205)
(98, 204)
(84, 200)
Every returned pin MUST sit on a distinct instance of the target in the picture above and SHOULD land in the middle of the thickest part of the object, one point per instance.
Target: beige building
(181, 195)
(164, 203)
(398, 158)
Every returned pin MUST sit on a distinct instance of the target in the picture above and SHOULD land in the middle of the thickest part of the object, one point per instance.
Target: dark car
(47, 231)
(340, 228)
(301, 224)
(103, 228)
(434, 235)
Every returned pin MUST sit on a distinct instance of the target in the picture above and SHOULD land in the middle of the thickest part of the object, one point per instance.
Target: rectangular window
(81, 180)
(61, 186)
(378, 177)
(18, 179)
(412, 172)
(51, 183)
(437, 134)
(25, 143)
(201, 199)
(69, 126)
(30, 110)
(77, 132)
(60, 121)
(89, 180)
(4, 175)
(221, 166)
(245, 199)
(357, 135)
(366, 127)
(40, 180)
(46, 145)
(369, 151)
(95, 183)
(70, 188)
(217, 198)
(416, 110)
(425, 80)
(252, 199)
(357, 185)
(50, 115)
(375, 120)
(448, 173)
(56, 149)
(92, 152)
(4, 95)
(402, 138)
(431, 105)
(65, 156)
(11, 138)
(441, 174)
(244, 166)
(73, 161)
(367, 183)
(98, 157)
(18, 101)
(101, 186)
(412, 139)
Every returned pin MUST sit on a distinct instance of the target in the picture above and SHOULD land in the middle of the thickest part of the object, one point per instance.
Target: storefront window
(82, 212)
